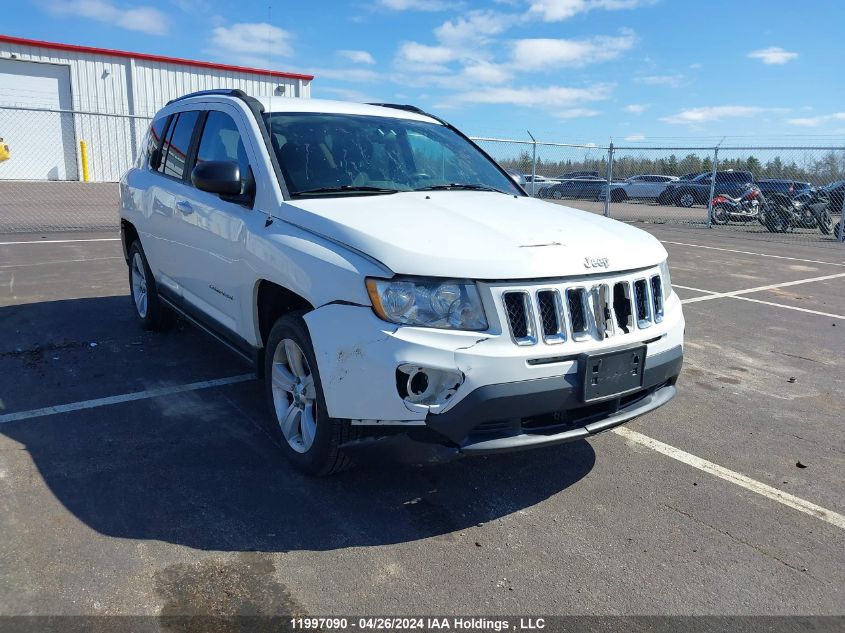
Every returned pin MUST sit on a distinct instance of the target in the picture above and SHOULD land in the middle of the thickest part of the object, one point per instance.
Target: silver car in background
(643, 187)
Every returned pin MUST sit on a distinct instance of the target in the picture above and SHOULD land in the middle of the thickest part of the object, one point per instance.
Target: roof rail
(222, 92)
(401, 106)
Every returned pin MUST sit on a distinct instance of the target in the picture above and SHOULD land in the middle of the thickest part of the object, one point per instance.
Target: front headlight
(428, 302)
(667, 282)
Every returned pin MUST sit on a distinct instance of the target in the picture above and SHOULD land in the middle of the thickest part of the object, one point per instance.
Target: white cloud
(145, 19)
(346, 94)
(416, 56)
(254, 44)
(693, 116)
(815, 121)
(635, 138)
(773, 55)
(353, 75)
(473, 29)
(636, 108)
(557, 10)
(357, 57)
(416, 5)
(549, 98)
(538, 54)
(661, 80)
(481, 72)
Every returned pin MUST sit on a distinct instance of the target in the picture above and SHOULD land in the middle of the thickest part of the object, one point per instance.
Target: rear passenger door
(211, 229)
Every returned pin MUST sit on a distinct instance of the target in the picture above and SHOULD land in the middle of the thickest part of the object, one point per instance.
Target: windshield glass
(354, 155)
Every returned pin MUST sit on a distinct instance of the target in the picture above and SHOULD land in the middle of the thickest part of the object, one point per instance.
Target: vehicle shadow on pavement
(203, 469)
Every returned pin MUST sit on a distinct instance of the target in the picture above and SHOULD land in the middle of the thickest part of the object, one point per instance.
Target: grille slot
(657, 297)
(518, 308)
(551, 316)
(641, 304)
(576, 304)
(622, 306)
(602, 310)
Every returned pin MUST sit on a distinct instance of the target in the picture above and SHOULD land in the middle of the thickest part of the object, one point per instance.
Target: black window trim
(167, 119)
(185, 172)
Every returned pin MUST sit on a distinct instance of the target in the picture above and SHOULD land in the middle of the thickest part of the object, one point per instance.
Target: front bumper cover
(503, 417)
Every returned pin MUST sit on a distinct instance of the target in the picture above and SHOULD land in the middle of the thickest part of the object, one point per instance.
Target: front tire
(720, 215)
(310, 439)
(618, 195)
(686, 199)
(144, 293)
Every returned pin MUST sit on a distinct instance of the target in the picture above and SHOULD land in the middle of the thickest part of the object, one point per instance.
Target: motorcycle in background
(745, 208)
(810, 210)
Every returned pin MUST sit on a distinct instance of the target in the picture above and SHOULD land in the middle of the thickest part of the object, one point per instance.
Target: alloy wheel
(139, 285)
(294, 395)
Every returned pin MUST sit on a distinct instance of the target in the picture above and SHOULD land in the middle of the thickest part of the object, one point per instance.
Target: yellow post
(83, 150)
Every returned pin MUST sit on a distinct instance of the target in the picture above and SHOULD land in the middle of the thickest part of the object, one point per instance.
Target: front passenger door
(214, 228)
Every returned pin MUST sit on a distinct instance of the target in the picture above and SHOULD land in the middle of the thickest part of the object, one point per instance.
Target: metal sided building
(55, 96)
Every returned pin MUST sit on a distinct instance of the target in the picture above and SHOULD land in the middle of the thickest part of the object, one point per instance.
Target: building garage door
(42, 144)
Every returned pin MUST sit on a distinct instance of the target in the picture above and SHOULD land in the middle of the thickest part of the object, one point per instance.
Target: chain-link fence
(794, 191)
(58, 170)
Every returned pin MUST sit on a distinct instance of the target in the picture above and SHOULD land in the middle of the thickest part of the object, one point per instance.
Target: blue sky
(638, 71)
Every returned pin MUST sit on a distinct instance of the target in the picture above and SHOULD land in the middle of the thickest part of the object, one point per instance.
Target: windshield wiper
(460, 185)
(345, 188)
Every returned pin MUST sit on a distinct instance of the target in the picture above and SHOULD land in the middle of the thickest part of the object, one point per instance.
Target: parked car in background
(578, 174)
(536, 183)
(586, 188)
(692, 175)
(785, 186)
(5, 153)
(644, 187)
(686, 193)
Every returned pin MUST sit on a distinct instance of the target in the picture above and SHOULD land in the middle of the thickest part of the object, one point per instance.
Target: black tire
(720, 215)
(324, 456)
(686, 199)
(825, 223)
(618, 195)
(776, 222)
(153, 315)
(556, 194)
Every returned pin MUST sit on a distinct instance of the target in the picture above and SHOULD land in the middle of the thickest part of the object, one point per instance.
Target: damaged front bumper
(510, 398)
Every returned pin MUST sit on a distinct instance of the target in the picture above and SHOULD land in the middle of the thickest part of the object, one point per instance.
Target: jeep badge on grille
(596, 262)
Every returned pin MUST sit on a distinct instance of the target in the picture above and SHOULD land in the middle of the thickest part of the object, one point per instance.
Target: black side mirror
(222, 177)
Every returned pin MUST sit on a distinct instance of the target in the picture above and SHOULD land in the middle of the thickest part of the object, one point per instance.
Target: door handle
(184, 207)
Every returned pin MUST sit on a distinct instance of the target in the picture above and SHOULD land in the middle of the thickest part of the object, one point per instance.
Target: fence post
(712, 188)
(609, 179)
(533, 164)
(842, 221)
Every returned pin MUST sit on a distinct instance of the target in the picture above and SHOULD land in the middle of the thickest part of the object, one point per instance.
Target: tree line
(818, 168)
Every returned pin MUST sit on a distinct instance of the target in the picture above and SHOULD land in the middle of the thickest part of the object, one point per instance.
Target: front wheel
(720, 215)
(686, 199)
(557, 195)
(618, 195)
(310, 439)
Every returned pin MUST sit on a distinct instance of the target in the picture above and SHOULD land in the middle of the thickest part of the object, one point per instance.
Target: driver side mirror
(222, 177)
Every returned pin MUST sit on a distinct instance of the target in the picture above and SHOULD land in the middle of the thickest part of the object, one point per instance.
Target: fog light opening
(426, 386)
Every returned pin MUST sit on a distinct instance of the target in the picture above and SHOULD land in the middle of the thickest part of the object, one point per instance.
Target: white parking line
(60, 261)
(734, 477)
(734, 293)
(95, 239)
(730, 250)
(126, 397)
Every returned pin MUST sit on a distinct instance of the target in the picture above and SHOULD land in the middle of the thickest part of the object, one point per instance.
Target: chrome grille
(657, 297)
(552, 320)
(600, 310)
(520, 317)
(576, 304)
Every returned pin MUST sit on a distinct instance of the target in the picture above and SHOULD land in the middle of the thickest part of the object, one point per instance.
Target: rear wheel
(825, 223)
(686, 199)
(310, 439)
(144, 293)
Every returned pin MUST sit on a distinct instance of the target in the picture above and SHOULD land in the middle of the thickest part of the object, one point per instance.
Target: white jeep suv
(391, 282)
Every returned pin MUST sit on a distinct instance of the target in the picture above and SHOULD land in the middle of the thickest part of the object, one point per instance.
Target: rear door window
(154, 139)
(175, 149)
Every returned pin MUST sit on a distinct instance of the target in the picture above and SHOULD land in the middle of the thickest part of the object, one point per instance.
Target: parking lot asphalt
(175, 500)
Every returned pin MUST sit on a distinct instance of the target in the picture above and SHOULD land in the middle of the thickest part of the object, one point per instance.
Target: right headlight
(667, 282)
(428, 303)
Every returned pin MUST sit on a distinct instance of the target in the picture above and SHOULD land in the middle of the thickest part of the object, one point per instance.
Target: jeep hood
(474, 234)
